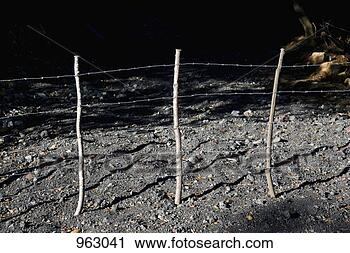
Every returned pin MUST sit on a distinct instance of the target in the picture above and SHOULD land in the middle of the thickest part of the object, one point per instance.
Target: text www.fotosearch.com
(186, 243)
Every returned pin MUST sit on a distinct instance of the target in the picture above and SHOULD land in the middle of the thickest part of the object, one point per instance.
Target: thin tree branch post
(177, 133)
(79, 139)
(271, 191)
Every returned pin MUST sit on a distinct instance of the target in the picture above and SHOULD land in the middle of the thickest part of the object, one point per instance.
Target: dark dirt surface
(129, 156)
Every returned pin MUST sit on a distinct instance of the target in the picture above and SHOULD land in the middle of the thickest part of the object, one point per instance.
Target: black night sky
(145, 32)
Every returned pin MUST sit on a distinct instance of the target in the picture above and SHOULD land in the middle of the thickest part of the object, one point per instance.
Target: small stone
(227, 189)
(161, 215)
(28, 158)
(76, 230)
(292, 118)
(41, 95)
(31, 129)
(222, 205)
(277, 139)
(193, 159)
(153, 217)
(248, 113)
(10, 124)
(235, 113)
(234, 160)
(333, 119)
(158, 130)
(223, 122)
(250, 177)
(259, 202)
(114, 209)
(98, 202)
(257, 142)
(249, 217)
(52, 147)
(339, 129)
(44, 134)
(29, 176)
(22, 224)
(11, 226)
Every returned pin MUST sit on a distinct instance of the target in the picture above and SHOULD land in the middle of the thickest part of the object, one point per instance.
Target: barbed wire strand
(215, 94)
(164, 98)
(108, 72)
(339, 28)
(299, 44)
(65, 110)
(164, 66)
(70, 51)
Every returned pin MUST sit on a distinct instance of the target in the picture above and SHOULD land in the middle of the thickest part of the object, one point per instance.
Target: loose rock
(248, 113)
(235, 113)
(44, 134)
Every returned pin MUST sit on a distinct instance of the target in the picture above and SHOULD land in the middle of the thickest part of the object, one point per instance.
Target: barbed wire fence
(147, 100)
(254, 67)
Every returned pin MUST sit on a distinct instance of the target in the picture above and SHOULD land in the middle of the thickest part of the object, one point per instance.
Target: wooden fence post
(271, 191)
(177, 133)
(79, 140)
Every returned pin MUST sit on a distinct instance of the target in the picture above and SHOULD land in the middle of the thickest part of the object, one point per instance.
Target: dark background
(146, 32)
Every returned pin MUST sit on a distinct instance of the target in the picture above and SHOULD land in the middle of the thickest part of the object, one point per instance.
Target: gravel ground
(130, 163)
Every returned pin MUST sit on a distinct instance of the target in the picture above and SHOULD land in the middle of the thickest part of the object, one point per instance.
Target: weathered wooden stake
(177, 130)
(79, 140)
(271, 191)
